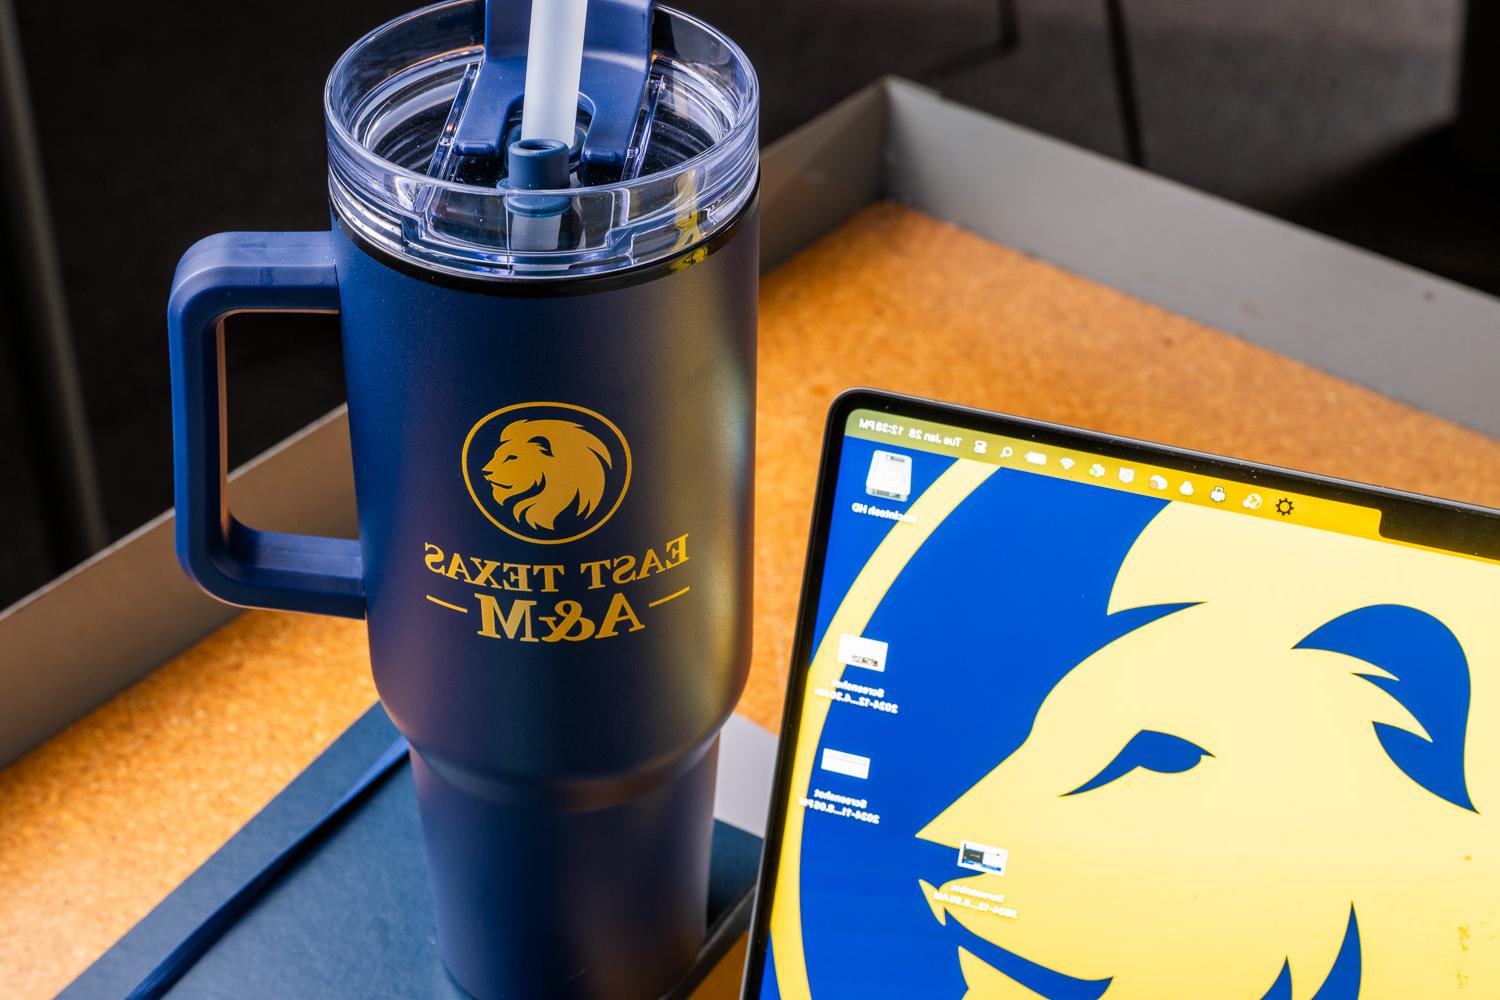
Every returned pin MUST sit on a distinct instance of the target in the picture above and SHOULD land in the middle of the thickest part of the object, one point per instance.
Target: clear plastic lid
(394, 101)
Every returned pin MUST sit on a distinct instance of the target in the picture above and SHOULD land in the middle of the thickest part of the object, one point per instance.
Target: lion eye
(1151, 751)
(507, 458)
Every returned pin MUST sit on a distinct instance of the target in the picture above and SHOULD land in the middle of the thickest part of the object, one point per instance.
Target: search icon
(1007, 451)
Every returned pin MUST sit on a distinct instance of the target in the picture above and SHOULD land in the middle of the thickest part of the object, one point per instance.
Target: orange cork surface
(104, 820)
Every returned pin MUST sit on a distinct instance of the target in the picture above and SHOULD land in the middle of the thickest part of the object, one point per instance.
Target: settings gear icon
(1284, 506)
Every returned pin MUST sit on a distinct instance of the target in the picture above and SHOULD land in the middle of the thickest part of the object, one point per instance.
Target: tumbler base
(600, 904)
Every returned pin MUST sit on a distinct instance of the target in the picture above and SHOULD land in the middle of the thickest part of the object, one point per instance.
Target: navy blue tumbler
(551, 407)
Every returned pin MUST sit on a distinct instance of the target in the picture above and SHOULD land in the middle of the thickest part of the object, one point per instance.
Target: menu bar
(1210, 489)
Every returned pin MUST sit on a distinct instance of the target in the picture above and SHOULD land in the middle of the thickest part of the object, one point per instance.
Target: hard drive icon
(890, 476)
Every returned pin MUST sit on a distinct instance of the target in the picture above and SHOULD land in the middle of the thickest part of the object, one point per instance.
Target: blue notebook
(352, 916)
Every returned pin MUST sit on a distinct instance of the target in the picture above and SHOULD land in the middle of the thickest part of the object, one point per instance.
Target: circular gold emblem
(546, 472)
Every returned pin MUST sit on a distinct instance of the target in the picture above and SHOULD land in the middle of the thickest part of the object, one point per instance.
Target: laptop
(1072, 716)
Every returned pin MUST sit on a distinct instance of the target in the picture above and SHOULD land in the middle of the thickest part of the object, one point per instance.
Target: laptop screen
(1076, 718)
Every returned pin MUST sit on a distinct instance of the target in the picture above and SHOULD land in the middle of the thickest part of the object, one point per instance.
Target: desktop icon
(1251, 502)
(1217, 494)
(1127, 475)
(1036, 458)
(889, 476)
(1066, 463)
(842, 762)
(1186, 489)
(982, 857)
(1284, 506)
(1158, 482)
(859, 651)
(1007, 451)
(1096, 470)
(980, 447)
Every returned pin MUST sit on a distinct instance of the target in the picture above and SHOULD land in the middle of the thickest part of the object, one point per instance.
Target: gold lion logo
(560, 460)
(549, 473)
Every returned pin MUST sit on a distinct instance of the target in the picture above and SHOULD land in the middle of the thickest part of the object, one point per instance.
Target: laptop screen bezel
(1461, 528)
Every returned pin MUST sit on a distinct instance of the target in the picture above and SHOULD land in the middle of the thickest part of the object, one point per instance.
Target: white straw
(554, 61)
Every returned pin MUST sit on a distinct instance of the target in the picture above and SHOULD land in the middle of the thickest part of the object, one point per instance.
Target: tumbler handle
(218, 277)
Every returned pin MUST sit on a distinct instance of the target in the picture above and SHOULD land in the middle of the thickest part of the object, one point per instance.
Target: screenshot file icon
(860, 651)
(843, 762)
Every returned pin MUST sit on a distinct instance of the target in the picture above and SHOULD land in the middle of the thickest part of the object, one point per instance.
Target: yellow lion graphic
(1279, 786)
(542, 467)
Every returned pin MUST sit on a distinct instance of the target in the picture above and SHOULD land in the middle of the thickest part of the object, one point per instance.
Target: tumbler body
(566, 770)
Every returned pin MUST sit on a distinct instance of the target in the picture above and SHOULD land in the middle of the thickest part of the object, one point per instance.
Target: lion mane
(542, 467)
